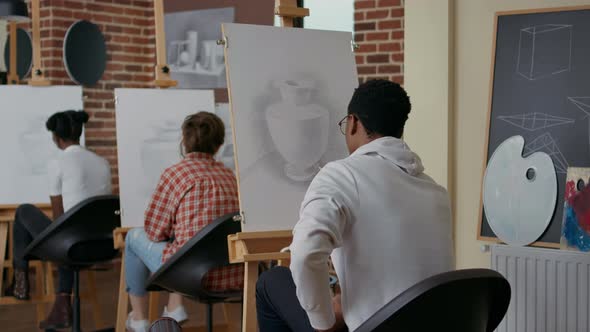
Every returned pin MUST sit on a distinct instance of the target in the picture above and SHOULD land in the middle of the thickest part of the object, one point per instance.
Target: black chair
(184, 273)
(473, 300)
(80, 238)
(165, 325)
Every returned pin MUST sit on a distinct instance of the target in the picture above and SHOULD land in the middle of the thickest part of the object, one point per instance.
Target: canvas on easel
(288, 90)
(148, 141)
(27, 145)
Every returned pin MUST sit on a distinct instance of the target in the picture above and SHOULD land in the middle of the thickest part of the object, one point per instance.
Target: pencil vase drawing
(299, 128)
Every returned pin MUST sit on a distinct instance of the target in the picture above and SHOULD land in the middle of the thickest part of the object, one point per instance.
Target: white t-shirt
(385, 223)
(78, 174)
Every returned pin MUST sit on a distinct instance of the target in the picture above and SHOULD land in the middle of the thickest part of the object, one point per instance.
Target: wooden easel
(251, 248)
(163, 81)
(38, 77)
(12, 77)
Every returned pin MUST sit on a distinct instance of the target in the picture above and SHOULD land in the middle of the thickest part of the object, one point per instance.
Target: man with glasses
(385, 223)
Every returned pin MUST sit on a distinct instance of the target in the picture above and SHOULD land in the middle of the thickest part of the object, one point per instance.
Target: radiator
(550, 289)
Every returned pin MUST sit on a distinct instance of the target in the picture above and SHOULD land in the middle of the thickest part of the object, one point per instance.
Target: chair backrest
(473, 300)
(165, 324)
(82, 236)
(184, 272)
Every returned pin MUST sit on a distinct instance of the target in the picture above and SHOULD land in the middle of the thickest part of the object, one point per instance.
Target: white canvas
(148, 141)
(289, 88)
(27, 145)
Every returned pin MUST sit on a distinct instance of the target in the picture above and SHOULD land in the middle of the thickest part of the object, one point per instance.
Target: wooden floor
(22, 318)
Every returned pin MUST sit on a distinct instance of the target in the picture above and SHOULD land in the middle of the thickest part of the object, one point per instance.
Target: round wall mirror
(85, 53)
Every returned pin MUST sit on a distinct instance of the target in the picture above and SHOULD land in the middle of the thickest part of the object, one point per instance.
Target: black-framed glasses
(342, 122)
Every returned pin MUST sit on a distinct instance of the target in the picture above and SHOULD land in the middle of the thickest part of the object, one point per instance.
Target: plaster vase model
(299, 128)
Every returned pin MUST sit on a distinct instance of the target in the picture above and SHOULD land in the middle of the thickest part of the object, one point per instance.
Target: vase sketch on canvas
(195, 59)
(158, 152)
(299, 128)
(226, 151)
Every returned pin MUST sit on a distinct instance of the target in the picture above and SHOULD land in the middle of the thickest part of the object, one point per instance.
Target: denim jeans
(142, 257)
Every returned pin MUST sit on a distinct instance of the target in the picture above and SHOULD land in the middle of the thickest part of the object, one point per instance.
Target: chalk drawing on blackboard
(546, 143)
(535, 121)
(583, 103)
(544, 50)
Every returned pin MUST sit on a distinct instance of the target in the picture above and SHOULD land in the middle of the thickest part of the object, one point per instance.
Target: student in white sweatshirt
(385, 223)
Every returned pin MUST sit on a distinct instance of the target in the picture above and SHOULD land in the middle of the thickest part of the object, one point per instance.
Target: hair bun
(81, 116)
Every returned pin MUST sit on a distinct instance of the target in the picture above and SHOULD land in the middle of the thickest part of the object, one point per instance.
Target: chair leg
(209, 317)
(76, 306)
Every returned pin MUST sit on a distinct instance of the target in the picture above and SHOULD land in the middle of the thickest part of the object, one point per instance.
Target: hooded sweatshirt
(385, 223)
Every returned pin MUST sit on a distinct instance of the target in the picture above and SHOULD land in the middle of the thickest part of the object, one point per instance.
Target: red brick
(134, 12)
(397, 12)
(359, 16)
(359, 37)
(360, 59)
(61, 13)
(133, 49)
(143, 78)
(133, 68)
(83, 16)
(365, 70)
(121, 39)
(122, 20)
(143, 22)
(393, 24)
(397, 35)
(377, 36)
(367, 48)
(389, 3)
(397, 57)
(390, 69)
(131, 31)
(106, 142)
(398, 79)
(377, 14)
(74, 4)
(364, 26)
(364, 4)
(390, 47)
(378, 58)
(100, 134)
(104, 115)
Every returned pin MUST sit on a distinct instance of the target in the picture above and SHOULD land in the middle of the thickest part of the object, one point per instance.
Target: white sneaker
(133, 325)
(178, 314)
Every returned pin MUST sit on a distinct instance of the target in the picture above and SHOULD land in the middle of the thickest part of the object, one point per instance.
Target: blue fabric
(142, 256)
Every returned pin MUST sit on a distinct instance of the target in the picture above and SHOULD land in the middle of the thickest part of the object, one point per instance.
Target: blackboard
(540, 89)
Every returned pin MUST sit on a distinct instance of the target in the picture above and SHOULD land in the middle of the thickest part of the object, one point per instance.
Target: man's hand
(340, 325)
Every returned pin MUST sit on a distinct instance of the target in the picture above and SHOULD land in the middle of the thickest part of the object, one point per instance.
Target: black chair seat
(473, 300)
(80, 238)
(184, 273)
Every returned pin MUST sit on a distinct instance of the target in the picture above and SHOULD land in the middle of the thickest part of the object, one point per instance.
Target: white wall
(335, 15)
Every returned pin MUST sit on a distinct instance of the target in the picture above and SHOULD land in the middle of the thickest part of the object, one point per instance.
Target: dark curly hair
(382, 107)
(67, 125)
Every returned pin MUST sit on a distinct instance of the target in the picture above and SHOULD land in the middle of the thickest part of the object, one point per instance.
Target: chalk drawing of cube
(544, 50)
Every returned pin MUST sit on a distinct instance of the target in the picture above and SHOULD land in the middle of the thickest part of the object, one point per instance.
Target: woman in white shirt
(77, 174)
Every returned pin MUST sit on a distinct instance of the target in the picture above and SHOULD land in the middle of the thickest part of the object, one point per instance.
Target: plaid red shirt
(189, 196)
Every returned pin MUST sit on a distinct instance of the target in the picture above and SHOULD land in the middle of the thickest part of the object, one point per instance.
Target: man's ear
(354, 125)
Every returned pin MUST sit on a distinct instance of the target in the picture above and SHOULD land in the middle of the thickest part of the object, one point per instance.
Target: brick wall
(128, 27)
(379, 31)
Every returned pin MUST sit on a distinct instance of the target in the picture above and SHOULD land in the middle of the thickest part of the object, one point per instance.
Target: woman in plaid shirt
(190, 195)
